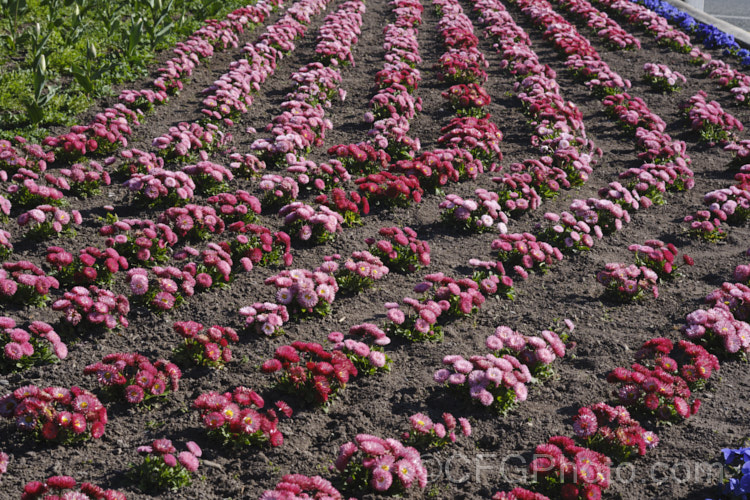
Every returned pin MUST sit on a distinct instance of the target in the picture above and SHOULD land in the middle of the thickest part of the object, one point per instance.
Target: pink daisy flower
(164, 301)
(381, 480)
(134, 394)
(189, 461)
(307, 299)
(13, 351)
(406, 472)
(421, 423)
(163, 446)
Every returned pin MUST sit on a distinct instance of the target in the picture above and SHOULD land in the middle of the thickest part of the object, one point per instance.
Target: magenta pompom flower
(161, 470)
(55, 413)
(238, 418)
(383, 465)
(135, 377)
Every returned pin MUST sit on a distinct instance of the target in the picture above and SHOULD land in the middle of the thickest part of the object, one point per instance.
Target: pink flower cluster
(193, 222)
(468, 99)
(538, 353)
(139, 161)
(25, 283)
(339, 32)
(387, 188)
(421, 325)
(267, 317)
(650, 181)
(239, 206)
(710, 120)
(652, 22)
(164, 293)
(297, 486)
(306, 370)
(212, 266)
(612, 431)
(470, 215)
(694, 362)
(235, 418)
(246, 165)
(731, 204)
(23, 348)
(717, 327)
(139, 240)
(306, 292)
(93, 306)
(660, 148)
(349, 205)
(402, 251)
(185, 139)
(704, 226)
(388, 465)
(307, 223)
(736, 81)
(435, 168)
(659, 391)
(424, 433)
(210, 348)
(633, 113)
(395, 100)
(519, 494)
(497, 382)
(162, 470)
(400, 74)
(161, 187)
(659, 257)
(134, 377)
(491, 278)
(360, 272)
(278, 190)
(6, 247)
(570, 471)
(256, 244)
(18, 153)
(55, 413)
(361, 158)
(321, 176)
(660, 77)
(46, 221)
(479, 136)
(606, 27)
(54, 487)
(209, 178)
(86, 179)
(462, 62)
(367, 359)
(25, 192)
(103, 133)
(524, 252)
(628, 283)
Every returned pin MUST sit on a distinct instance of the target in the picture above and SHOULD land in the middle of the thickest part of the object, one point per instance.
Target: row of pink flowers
(606, 27)
(25, 348)
(652, 22)
(303, 123)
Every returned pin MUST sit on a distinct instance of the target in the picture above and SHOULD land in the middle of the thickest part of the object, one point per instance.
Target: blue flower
(730, 455)
(744, 484)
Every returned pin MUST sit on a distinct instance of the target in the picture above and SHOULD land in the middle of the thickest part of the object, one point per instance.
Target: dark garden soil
(607, 334)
